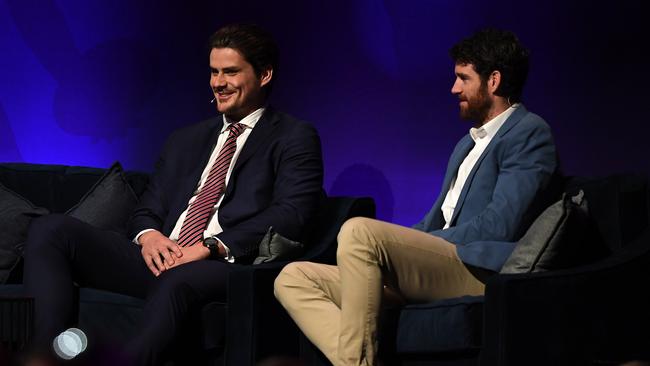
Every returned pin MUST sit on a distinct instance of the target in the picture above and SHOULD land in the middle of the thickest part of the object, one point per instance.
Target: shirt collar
(492, 126)
(249, 121)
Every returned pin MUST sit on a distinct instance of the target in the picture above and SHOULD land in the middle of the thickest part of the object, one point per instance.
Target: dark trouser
(61, 250)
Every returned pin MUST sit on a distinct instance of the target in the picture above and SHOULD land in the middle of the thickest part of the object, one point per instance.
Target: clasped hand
(160, 253)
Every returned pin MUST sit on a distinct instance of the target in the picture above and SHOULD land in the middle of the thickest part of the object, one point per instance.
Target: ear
(494, 80)
(266, 76)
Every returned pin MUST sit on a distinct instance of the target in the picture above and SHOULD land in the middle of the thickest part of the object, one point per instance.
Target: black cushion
(559, 238)
(448, 325)
(109, 203)
(58, 187)
(16, 213)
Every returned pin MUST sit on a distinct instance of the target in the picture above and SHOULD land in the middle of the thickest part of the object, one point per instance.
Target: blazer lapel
(454, 163)
(456, 158)
(515, 117)
(261, 133)
(210, 144)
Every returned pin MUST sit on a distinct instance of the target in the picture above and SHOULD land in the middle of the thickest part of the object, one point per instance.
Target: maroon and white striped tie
(200, 210)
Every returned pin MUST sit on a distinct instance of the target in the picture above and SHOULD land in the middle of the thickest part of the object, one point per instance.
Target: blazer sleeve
(297, 189)
(528, 160)
(153, 207)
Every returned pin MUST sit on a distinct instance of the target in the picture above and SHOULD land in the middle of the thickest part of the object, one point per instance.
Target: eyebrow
(225, 69)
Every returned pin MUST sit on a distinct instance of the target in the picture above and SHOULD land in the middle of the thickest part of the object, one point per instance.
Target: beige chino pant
(337, 307)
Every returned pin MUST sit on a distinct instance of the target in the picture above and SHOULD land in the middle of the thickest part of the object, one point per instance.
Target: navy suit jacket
(508, 187)
(276, 181)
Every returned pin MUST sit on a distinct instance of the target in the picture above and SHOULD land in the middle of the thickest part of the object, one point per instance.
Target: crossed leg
(337, 307)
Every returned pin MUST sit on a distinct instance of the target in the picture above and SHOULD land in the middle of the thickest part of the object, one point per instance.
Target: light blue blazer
(503, 193)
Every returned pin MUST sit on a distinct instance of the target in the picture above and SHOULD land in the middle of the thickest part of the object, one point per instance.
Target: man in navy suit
(217, 188)
(497, 181)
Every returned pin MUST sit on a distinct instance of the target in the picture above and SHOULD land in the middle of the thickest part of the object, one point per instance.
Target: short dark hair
(496, 50)
(254, 43)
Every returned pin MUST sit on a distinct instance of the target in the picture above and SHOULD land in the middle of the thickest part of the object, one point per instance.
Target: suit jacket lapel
(456, 158)
(262, 131)
(507, 125)
(454, 163)
(515, 117)
(206, 152)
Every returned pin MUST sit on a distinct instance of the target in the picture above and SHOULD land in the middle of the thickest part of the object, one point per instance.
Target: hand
(154, 245)
(193, 253)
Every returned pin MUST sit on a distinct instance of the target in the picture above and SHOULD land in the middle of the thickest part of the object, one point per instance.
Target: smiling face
(475, 100)
(236, 87)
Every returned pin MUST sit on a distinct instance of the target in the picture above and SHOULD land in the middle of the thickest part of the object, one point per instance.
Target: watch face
(210, 242)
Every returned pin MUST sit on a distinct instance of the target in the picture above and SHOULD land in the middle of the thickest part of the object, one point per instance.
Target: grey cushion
(554, 240)
(16, 213)
(274, 246)
(109, 203)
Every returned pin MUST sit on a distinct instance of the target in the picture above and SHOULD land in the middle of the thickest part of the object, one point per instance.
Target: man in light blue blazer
(498, 179)
(504, 192)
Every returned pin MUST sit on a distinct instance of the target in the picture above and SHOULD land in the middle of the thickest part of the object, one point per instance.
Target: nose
(217, 80)
(455, 89)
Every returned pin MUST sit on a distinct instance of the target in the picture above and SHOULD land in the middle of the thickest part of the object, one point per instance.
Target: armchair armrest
(591, 314)
(256, 324)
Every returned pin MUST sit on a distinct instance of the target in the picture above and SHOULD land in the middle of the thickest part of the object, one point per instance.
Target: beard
(477, 107)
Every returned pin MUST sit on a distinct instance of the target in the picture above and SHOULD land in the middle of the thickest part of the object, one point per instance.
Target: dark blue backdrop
(90, 82)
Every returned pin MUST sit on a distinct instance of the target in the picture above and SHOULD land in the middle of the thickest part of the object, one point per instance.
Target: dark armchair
(594, 314)
(250, 327)
(257, 325)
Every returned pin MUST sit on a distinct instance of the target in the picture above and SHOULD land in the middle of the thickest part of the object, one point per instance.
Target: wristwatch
(213, 244)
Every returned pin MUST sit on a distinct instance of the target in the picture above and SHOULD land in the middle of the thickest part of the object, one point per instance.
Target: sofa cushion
(55, 187)
(13, 290)
(449, 325)
(109, 203)
(107, 316)
(16, 213)
(275, 247)
(555, 240)
(58, 187)
(113, 318)
(617, 205)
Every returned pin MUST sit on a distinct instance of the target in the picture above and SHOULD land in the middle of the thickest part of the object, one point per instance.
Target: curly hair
(491, 50)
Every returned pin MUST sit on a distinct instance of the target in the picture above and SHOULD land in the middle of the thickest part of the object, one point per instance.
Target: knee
(45, 231)
(355, 227)
(355, 234)
(289, 278)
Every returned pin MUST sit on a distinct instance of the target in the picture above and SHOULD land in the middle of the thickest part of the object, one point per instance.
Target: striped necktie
(201, 209)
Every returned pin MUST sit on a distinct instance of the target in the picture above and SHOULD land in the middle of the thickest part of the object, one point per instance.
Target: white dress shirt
(214, 227)
(482, 137)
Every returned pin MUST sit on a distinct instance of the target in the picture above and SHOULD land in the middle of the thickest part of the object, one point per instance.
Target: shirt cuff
(137, 237)
(229, 258)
